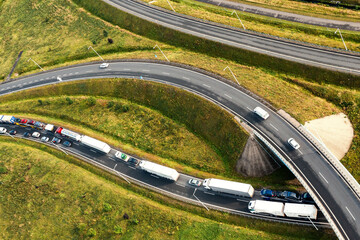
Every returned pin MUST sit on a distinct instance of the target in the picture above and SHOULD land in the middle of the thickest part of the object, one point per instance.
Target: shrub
(69, 101)
(118, 230)
(40, 102)
(118, 107)
(91, 101)
(107, 207)
(125, 108)
(110, 104)
(91, 232)
(105, 33)
(134, 221)
(3, 170)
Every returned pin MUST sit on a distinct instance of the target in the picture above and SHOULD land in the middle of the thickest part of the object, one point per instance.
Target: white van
(261, 112)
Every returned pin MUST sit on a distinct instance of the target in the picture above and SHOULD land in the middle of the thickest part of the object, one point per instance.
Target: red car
(24, 121)
(31, 122)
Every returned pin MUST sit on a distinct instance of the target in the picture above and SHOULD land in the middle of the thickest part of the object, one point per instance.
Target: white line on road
(350, 213)
(145, 70)
(127, 69)
(112, 159)
(207, 86)
(89, 71)
(165, 73)
(132, 167)
(115, 166)
(274, 127)
(75, 143)
(30, 82)
(77, 73)
(186, 78)
(70, 74)
(154, 176)
(36, 80)
(228, 96)
(64, 75)
(93, 150)
(323, 178)
(249, 108)
(53, 77)
(241, 200)
(209, 193)
(180, 185)
(41, 79)
(300, 152)
(48, 78)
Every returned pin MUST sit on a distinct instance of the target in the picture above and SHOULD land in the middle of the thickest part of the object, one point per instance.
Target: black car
(290, 196)
(27, 134)
(67, 144)
(56, 140)
(133, 161)
(306, 198)
(13, 132)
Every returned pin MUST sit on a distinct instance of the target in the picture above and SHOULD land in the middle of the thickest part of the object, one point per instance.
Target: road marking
(48, 78)
(145, 70)
(180, 185)
(165, 73)
(36, 80)
(75, 143)
(323, 178)
(112, 159)
(206, 85)
(249, 109)
(154, 176)
(77, 73)
(228, 96)
(132, 167)
(30, 82)
(89, 71)
(41, 79)
(93, 150)
(19, 85)
(241, 200)
(350, 213)
(53, 77)
(115, 166)
(186, 78)
(64, 75)
(3, 89)
(127, 69)
(274, 127)
(209, 193)
(300, 152)
(70, 74)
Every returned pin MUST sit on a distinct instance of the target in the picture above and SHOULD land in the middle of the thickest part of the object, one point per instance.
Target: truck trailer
(67, 133)
(267, 207)
(159, 170)
(280, 209)
(96, 144)
(7, 119)
(224, 186)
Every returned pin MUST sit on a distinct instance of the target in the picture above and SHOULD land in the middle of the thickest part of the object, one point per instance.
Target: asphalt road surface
(340, 201)
(340, 61)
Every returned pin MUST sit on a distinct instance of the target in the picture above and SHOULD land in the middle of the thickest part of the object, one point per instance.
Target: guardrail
(306, 184)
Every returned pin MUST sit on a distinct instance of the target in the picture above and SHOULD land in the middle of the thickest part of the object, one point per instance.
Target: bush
(40, 102)
(107, 207)
(134, 221)
(91, 232)
(118, 230)
(118, 107)
(91, 101)
(105, 33)
(69, 101)
(110, 104)
(125, 108)
(3, 170)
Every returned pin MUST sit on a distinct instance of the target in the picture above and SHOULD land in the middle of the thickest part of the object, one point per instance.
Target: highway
(306, 54)
(334, 193)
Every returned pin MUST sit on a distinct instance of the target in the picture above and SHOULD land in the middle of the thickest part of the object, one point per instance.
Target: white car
(293, 143)
(104, 65)
(2, 130)
(44, 139)
(122, 156)
(35, 134)
(59, 79)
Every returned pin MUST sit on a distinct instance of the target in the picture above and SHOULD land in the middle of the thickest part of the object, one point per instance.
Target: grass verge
(47, 197)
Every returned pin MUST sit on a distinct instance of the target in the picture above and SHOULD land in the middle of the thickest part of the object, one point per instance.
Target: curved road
(339, 200)
(340, 61)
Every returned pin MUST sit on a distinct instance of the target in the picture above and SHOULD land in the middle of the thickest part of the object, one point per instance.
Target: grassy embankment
(143, 132)
(276, 27)
(309, 9)
(45, 197)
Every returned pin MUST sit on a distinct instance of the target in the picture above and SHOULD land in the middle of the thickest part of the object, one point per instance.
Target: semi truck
(280, 209)
(96, 144)
(230, 187)
(159, 170)
(7, 119)
(67, 133)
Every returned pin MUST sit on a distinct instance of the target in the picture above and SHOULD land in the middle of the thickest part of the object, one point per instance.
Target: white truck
(159, 170)
(267, 207)
(96, 144)
(224, 186)
(49, 127)
(7, 119)
(280, 209)
(67, 133)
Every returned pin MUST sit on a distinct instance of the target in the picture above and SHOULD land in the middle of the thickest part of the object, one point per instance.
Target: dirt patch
(335, 131)
(255, 161)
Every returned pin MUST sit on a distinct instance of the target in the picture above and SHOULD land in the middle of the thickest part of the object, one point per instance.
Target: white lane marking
(112, 159)
(30, 82)
(186, 78)
(41, 79)
(3, 89)
(89, 71)
(93, 150)
(350, 213)
(165, 73)
(127, 69)
(145, 70)
(241, 200)
(300, 152)
(274, 127)
(36, 80)
(115, 166)
(77, 73)
(19, 85)
(323, 178)
(48, 78)
(53, 77)
(64, 75)
(154, 176)
(209, 193)
(75, 143)
(250, 109)
(70, 74)
(180, 185)
(207, 86)
(132, 167)
(228, 96)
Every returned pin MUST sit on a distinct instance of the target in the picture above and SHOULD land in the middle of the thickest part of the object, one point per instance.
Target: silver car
(293, 143)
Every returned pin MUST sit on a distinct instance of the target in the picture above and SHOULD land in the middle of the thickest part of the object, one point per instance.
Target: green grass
(276, 27)
(45, 197)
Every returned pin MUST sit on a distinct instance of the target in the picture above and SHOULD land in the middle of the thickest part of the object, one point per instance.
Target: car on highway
(3, 130)
(267, 193)
(289, 196)
(35, 134)
(104, 65)
(133, 161)
(59, 79)
(67, 144)
(31, 122)
(122, 156)
(306, 198)
(27, 134)
(24, 121)
(13, 132)
(44, 139)
(293, 143)
(261, 113)
(195, 182)
(56, 140)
